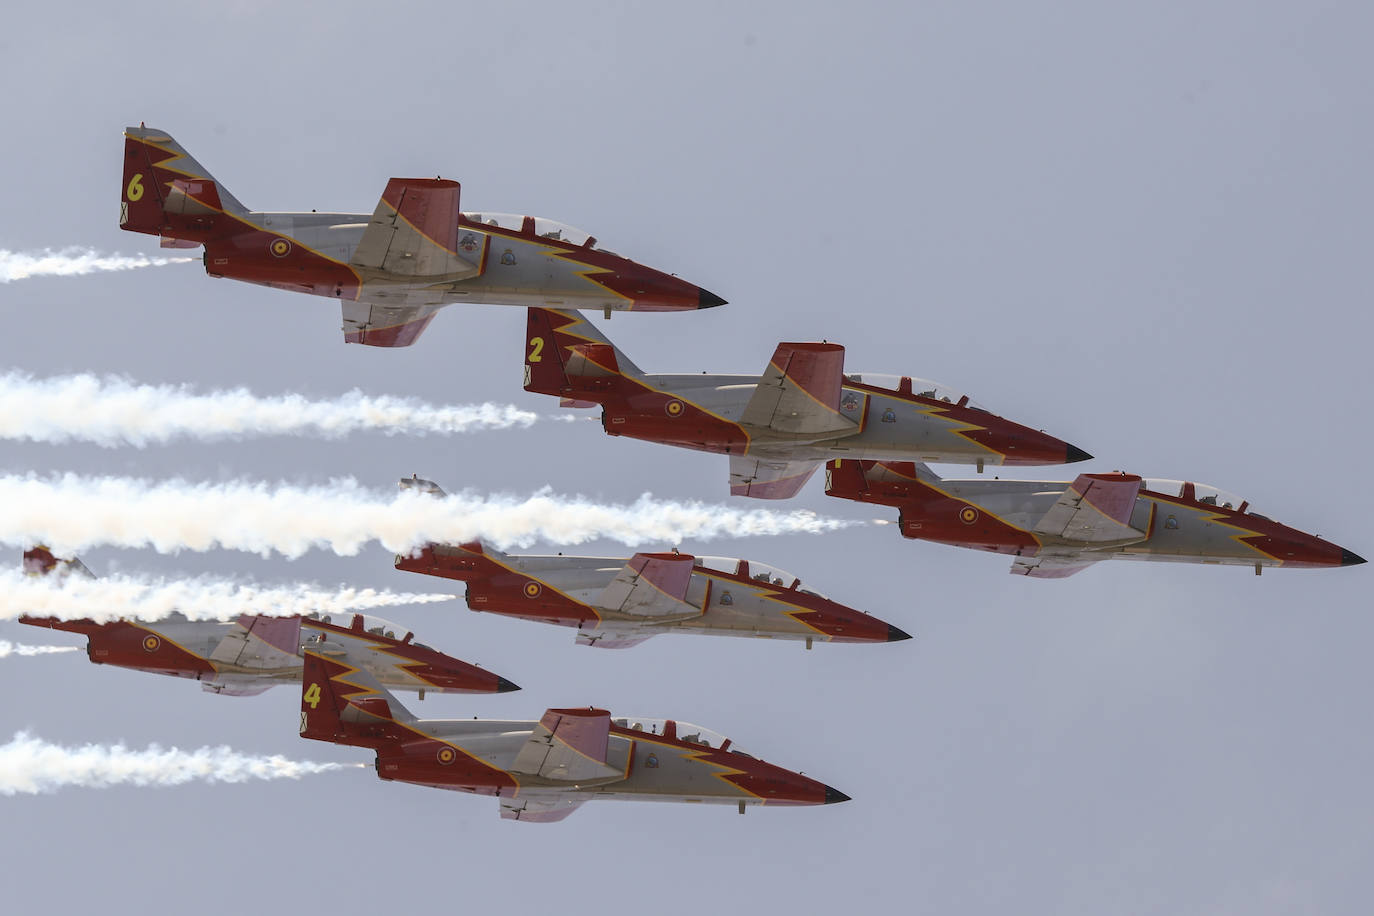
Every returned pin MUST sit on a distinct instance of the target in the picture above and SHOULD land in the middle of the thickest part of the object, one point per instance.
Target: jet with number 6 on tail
(620, 602)
(1057, 528)
(542, 770)
(391, 270)
(254, 653)
(780, 427)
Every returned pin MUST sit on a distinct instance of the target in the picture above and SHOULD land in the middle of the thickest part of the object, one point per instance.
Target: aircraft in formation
(542, 771)
(616, 603)
(1058, 528)
(780, 427)
(391, 270)
(254, 653)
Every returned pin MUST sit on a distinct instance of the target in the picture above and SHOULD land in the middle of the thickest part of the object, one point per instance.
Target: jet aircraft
(1058, 528)
(616, 603)
(254, 653)
(542, 771)
(391, 270)
(779, 427)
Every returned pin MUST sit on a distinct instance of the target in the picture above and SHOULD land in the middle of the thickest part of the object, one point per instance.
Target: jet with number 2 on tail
(255, 653)
(542, 770)
(620, 602)
(780, 427)
(1058, 528)
(391, 270)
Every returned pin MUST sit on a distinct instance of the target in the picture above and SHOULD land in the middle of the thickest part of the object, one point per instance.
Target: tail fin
(566, 356)
(883, 482)
(167, 193)
(40, 561)
(344, 704)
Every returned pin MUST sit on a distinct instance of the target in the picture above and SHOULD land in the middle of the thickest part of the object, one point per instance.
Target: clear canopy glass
(1203, 493)
(374, 625)
(544, 228)
(685, 731)
(922, 387)
(760, 572)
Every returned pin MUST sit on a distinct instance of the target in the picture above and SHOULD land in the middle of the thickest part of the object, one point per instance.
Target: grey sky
(1144, 230)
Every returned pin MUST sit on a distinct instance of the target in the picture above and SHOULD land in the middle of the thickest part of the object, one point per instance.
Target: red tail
(343, 704)
(167, 193)
(567, 357)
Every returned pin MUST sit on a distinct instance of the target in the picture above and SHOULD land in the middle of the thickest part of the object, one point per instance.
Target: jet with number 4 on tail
(542, 770)
(391, 270)
(780, 427)
(1057, 528)
(615, 603)
(254, 653)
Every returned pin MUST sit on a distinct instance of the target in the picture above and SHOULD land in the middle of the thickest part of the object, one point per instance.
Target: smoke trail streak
(71, 513)
(199, 598)
(71, 262)
(30, 765)
(8, 648)
(113, 411)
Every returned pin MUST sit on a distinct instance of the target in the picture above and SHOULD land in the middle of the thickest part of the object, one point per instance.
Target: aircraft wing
(543, 810)
(1055, 565)
(651, 585)
(1096, 508)
(382, 317)
(414, 233)
(800, 392)
(237, 648)
(236, 688)
(569, 745)
(607, 638)
(769, 478)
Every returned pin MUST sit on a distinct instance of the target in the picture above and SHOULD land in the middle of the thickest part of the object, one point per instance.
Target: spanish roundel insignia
(151, 642)
(968, 515)
(280, 248)
(674, 408)
(446, 755)
(532, 589)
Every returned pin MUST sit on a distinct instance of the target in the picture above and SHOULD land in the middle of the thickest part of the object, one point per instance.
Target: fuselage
(725, 596)
(255, 653)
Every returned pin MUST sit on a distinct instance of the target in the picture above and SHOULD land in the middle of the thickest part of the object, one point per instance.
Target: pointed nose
(505, 686)
(708, 300)
(896, 635)
(1075, 454)
(834, 796)
(1349, 558)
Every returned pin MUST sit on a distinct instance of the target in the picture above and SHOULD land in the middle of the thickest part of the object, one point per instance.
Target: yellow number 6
(538, 347)
(312, 695)
(135, 189)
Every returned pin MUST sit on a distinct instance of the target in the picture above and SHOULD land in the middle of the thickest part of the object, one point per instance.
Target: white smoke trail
(8, 648)
(30, 765)
(71, 513)
(113, 411)
(199, 598)
(71, 262)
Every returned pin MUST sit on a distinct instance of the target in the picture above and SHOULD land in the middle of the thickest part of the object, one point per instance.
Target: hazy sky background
(1143, 230)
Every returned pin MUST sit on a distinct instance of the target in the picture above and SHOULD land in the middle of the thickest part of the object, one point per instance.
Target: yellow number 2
(135, 189)
(537, 347)
(312, 695)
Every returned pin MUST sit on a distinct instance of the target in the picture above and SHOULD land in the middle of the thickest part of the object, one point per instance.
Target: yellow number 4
(312, 695)
(536, 347)
(135, 189)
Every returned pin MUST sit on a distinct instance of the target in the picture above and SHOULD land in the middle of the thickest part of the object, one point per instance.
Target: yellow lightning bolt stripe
(373, 643)
(233, 216)
(161, 636)
(566, 329)
(774, 594)
(543, 582)
(943, 492)
(722, 770)
(933, 411)
(1207, 515)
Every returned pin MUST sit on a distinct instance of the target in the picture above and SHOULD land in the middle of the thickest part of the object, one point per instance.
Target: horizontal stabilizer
(569, 745)
(591, 360)
(543, 810)
(607, 638)
(651, 585)
(769, 478)
(799, 392)
(40, 561)
(384, 323)
(1095, 509)
(1054, 565)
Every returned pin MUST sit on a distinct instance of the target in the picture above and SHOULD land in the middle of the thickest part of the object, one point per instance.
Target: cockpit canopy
(921, 387)
(683, 731)
(1201, 492)
(544, 228)
(365, 622)
(759, 572)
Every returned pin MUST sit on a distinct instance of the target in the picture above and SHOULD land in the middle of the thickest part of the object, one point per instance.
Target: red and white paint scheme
(254, 653)
(1057, 528)
(618, 602)
(543, 770)
(391, 270)
(780, 427)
